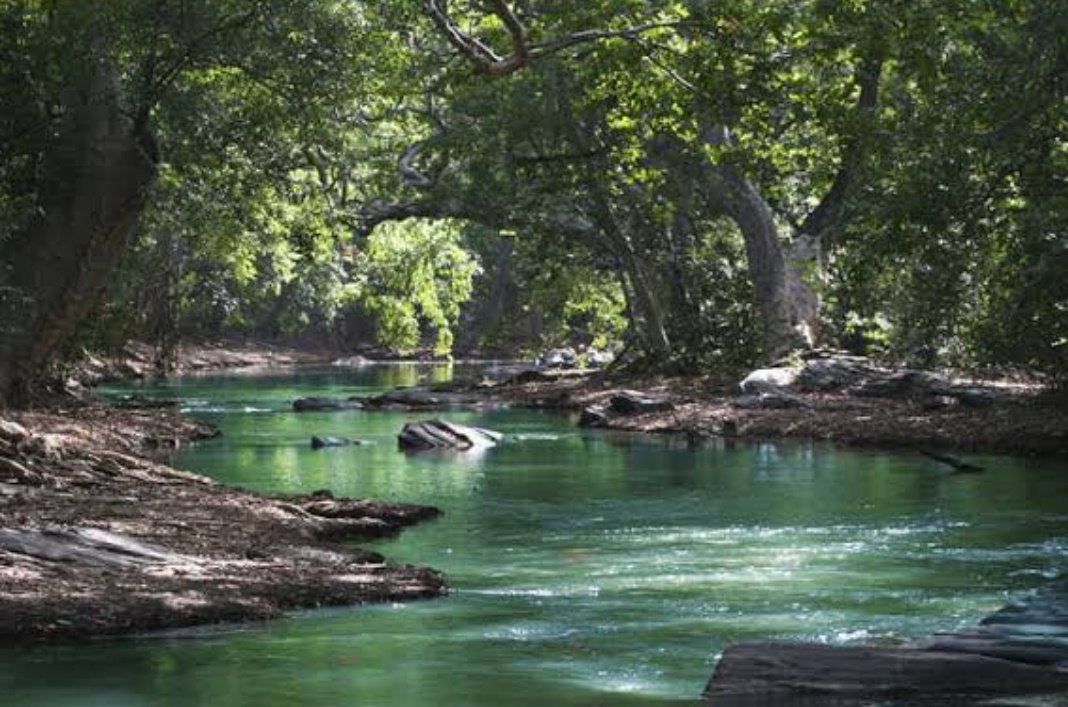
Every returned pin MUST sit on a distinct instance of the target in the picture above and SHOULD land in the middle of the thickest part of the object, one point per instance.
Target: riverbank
(138, 360)
(998, 417)
(98, 537)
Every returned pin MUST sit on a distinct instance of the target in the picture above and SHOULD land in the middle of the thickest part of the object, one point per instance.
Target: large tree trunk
(100, 169)
(783, 276)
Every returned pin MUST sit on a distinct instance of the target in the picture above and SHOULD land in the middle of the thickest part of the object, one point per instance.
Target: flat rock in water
(420, 399)
(321, 442)
(439, 434)
(316, 404)
(750, 672)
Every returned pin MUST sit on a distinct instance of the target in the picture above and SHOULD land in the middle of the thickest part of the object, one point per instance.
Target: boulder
(321, 442)
(776, 672)
(12, 431)
(599, 359)
(768, 380)
(558, 358)
(836, 373)
(593, 416)
(633, 402)
(907, 383)
(316, 404)
(440, 434)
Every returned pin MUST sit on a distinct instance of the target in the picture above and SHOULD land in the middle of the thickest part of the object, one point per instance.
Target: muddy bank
(1017, 418)
(97, 539)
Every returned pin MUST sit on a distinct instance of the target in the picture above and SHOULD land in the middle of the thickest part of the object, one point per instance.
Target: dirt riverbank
(1014, 419)
(97, 538)
(138, 360)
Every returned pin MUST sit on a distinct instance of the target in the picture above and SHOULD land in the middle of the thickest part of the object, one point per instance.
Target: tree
(98, 85)
(705, 143)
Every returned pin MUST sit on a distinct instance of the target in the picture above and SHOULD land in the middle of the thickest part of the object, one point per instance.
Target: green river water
(585, 569)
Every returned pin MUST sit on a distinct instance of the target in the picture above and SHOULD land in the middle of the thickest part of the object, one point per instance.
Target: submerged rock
(439, 434)
(317, 404)
(593, 416)
(321, 442)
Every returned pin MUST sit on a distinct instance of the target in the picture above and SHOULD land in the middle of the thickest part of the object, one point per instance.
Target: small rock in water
(594, 416)
(315, 404)
(439, 434)
(320, 442)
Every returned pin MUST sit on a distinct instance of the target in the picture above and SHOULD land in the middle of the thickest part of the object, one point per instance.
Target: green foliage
(281, 125)
(960, 239)
(415, 275)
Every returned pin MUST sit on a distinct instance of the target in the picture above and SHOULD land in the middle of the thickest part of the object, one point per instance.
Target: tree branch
(819, 222)
(487, 61)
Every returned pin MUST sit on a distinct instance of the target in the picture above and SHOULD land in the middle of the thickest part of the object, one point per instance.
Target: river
(585, 568)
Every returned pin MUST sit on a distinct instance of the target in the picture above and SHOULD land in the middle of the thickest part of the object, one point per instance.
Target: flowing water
(586, 569)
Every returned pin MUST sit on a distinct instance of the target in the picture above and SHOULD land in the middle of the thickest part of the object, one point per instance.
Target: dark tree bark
(100, 168)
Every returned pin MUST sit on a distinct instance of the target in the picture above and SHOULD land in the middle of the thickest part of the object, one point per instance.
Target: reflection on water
(586, 569)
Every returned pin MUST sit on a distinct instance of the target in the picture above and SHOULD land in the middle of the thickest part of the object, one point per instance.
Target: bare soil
(178, 549)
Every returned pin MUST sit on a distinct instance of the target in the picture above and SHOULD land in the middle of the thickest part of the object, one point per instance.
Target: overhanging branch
(488, 61)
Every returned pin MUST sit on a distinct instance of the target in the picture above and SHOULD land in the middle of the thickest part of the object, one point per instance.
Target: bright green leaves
(415, 276)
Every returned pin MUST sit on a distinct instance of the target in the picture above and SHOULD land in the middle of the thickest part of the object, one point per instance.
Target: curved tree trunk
(100, 169)
(782, 276)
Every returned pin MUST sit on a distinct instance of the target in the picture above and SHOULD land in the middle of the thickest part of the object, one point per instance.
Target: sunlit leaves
(416, 276)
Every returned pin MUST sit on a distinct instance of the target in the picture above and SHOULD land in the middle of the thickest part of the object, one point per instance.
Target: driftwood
(86, 546)
(439, 434)
(959, 465)
(766, 673)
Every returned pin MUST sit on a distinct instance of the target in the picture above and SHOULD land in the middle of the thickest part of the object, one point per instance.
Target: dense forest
(696, 184)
